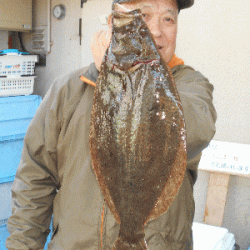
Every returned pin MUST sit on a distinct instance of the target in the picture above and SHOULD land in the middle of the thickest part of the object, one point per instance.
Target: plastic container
(17, 86)
(4, 234)
(13, 86)
(16, 63)
(5, 201)
(10, 155)
(208, 237)
(16, 114)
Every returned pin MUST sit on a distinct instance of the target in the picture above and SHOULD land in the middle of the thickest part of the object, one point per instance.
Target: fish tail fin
(122, 244)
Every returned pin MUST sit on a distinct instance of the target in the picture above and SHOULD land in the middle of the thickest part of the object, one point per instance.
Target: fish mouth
(138, 64)
(143, 62)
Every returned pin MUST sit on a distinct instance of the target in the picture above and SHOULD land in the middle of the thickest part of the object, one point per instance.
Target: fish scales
(137, 132)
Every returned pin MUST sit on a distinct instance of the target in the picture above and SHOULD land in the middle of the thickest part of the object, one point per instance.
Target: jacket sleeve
(36, 181)
(196, 94)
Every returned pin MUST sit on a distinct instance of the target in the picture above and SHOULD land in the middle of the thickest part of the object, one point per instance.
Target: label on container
(17, 66)
(232, 158)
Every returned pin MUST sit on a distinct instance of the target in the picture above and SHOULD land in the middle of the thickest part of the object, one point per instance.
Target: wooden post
(216, 198)
(222, 159)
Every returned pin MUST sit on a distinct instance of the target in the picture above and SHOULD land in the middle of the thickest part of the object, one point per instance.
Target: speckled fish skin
(137, 131)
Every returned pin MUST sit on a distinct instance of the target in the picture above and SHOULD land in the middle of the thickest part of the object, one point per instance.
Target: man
(55, 173)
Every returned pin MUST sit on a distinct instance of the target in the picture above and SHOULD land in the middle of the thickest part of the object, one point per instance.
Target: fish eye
(145, 16)
(143, 32)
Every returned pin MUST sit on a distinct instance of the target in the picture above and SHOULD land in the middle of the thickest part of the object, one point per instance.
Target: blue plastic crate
(5, 201)
(4, 234)
(16, 114)
(10, 155)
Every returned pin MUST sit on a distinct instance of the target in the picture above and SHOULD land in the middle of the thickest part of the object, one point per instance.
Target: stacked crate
(17, 108)
(16, 72)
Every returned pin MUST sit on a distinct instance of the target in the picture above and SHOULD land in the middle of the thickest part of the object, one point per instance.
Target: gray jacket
(55, 174)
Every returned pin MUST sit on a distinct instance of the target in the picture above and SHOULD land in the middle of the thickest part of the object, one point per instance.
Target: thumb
(99, 44)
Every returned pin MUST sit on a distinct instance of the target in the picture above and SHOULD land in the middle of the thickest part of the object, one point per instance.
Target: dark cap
(182, 4)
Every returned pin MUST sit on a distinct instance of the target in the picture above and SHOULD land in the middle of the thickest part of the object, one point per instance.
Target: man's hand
(99, 44)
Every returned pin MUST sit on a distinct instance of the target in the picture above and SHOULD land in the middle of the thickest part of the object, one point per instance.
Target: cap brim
(182, 4)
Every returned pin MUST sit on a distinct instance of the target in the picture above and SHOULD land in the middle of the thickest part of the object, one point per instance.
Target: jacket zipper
(102, 224)
(55, 231)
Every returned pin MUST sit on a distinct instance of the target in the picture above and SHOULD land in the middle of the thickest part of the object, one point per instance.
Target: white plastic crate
(17, 64)
(13, 86)
(208, 237)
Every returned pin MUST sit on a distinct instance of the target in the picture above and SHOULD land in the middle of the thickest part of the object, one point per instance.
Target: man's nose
(155, 27)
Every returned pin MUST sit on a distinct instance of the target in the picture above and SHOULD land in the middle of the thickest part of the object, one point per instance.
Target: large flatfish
(137, 131)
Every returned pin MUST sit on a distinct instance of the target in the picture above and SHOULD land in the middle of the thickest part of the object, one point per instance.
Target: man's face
(161, 17)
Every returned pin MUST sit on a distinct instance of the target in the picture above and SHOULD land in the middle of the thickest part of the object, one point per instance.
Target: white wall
(214, 38)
